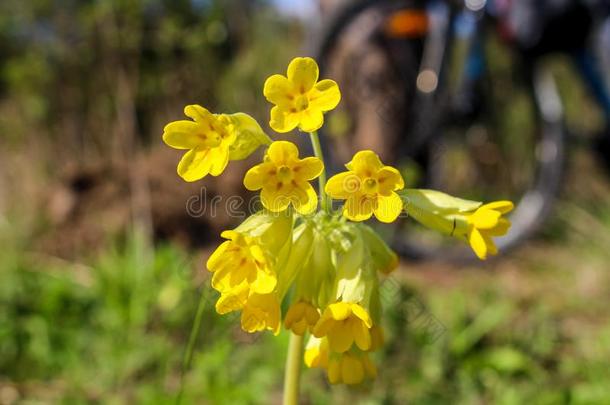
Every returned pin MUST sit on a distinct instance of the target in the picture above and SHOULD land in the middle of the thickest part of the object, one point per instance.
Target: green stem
(317, 150)
(188, 354)
(293, 370)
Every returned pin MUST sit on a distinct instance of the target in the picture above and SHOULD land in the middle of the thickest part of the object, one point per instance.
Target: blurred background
(102, 245)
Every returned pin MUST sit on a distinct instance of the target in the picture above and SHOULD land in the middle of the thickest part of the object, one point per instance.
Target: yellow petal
(219, 159)
(388, 208)
(358, 208)
(352, 370)
(306, 199)
(342, 185)
(255, 178)
(389, 179)
(325, 95)
(340, 338)
(194, 165)
(362, 335)
(265, 283)
(294, 314)
(311, 120)
(182, 135)
(477, 243)
(308, 168)
(362, 314)
(365, 163)
(198, 113)
(322, 327)
(339, 311)
(303, 73)
(484, 218)
(283, 120)
(334, 371)
(491, 246)
(500, 206)
(217, 257)
(282, 153)
(278, 90)
(274, 201)
(501, 228)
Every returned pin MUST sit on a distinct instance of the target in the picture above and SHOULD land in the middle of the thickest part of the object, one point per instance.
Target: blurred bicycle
(458, 94)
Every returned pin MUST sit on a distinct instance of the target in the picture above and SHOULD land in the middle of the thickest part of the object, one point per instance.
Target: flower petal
(182, 134)
(501, 228)
(198, 113)
(340, 338)
(362, 335)
(342, 185)
(282, 152)
(303, 73)
(325, 95)
(219, 160)
(308, 168)
(362, 313)
(388, 207)
(311, 120)
(255, 177)
(389, 179)
(477, 243)
(484, 218)
(274, 201)
(500, 206)
(365, 162)
(278, 90)
(352, 370)
(306, 199)
(282, 120)
(194, 165)
(217, 257)
(358, 208)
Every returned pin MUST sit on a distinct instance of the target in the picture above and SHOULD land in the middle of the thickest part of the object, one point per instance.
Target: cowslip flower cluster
(322, 266)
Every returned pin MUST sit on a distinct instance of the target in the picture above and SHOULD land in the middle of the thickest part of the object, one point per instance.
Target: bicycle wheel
(513, 150)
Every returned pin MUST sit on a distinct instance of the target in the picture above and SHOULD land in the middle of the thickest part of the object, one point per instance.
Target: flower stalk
(293, 370)
(317, 150)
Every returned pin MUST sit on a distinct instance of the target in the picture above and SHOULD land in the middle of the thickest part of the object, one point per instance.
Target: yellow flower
(467, 220)
(344, 323)
(301, 316)
(212, 140)
(350, 368)
(316, 352)
(299, 98)
(485, 223)
(239, 259)
(368, 188)
(233, 299)
(284, 179)
(261, 311)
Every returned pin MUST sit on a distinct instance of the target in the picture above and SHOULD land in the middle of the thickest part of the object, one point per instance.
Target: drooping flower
(316, 352)
(284, 179)
(301, 317)
(261, 311)
(212, 140)
(239, 259)
(350, 368)
(369, 187)
(300, 99)
(470, 221)
(343, 324)
(247, 263)
(485, 223)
